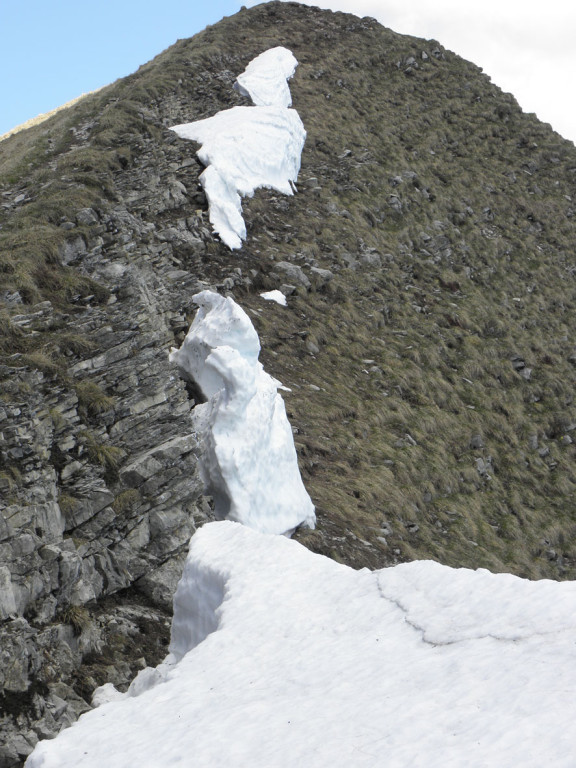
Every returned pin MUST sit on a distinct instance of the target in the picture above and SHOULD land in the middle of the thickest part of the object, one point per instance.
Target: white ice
(265, 79)
(248, 460)
(245, 148)
(276, 296)
(219, 322)
(280, 657)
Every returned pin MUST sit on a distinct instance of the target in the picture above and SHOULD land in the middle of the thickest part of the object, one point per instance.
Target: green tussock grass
(105, 455)
(126, 501)
(92, 399)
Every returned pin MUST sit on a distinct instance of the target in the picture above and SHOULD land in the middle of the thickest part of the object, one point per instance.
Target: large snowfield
(280, 657)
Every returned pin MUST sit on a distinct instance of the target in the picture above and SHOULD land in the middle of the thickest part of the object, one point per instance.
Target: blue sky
(54, 50)
(51, 52)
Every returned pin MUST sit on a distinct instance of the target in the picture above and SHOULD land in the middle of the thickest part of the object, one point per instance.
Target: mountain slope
(428, 343)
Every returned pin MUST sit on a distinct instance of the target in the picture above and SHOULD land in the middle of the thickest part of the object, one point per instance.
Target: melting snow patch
(265, 79)
(276, 296)
(280, 657)
(245, 148)
(248, 460)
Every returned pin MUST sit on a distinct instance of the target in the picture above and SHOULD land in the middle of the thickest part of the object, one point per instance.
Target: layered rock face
(428, 337)
(107, 494)
(100, 486)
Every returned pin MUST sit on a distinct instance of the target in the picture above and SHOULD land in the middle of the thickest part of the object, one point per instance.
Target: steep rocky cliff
(428, 339)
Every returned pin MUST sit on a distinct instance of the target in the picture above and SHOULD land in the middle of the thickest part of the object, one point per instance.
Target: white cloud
(526, 47)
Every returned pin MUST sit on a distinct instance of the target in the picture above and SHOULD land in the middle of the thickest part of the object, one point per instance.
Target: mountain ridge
(428, 339)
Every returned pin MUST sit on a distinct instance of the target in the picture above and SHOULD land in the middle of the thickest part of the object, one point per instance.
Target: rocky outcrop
(100, 490)
(100, 487)
(99, 482)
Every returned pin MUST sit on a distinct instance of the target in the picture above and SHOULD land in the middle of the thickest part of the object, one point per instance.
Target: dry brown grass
(44, 116)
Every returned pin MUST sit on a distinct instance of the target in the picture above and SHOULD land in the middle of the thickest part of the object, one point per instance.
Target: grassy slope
(466, 201)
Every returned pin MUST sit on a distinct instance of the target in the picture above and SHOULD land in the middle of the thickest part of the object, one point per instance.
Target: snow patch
(437, 601)
(307, 662)
(244, 148)
(219, 322)
(248, 460)
(265, 79)
(105, 694)
(276, 296)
